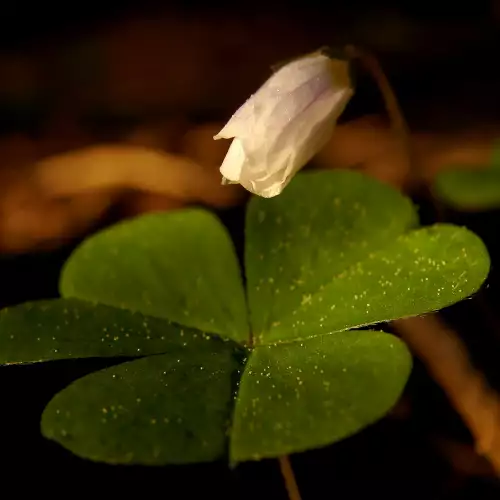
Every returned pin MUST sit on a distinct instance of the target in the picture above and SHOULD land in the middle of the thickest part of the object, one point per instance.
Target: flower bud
(285, 123)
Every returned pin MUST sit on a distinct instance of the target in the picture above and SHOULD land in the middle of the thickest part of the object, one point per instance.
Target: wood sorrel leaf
(421, 271)
(163, 409)
(471, 189)
(179, 265)
(336, 251)
(71, 328)
(303, 395)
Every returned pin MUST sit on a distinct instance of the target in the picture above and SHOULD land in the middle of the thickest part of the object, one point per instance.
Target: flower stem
(393, 109)
(289, 478)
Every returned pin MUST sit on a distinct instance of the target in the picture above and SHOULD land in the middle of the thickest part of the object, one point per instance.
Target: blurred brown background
(108, 110)
(165, 76)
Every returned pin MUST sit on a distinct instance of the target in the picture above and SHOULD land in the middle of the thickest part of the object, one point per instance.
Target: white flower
(285, 123)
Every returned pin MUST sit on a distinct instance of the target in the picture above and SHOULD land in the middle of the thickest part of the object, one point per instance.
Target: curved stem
(397, 121)
(289, 478)
(396, 117)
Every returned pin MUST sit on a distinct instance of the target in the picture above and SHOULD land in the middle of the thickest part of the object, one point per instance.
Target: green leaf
(421, 271)
(178, 265)
(71, 328)
(302, 395)
(157, 410)
(469, 189)
(494, 162)
(322, 224)
(334, 252)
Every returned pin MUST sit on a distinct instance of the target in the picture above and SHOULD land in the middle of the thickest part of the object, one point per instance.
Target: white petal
(237, 123)
(308, 73)
(296, 73)
(314, 128)
(233, 162)
(294, 148)
(281, 127)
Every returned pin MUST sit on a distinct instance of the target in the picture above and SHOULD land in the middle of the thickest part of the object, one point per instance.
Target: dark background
(445, 75)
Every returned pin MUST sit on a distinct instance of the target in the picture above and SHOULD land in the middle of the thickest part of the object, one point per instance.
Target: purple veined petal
(293, 75)
(305, 75)
(265, 135)
(237, 124)
(329, 87)
(265, 130)
(281, 127)
(296, 146)
(312, 129)
(322, 113)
